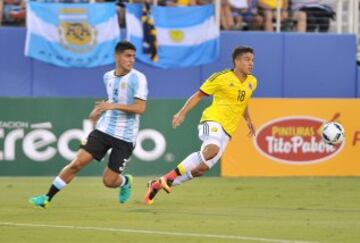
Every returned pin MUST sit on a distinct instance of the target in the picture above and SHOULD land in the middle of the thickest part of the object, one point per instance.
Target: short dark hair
(238, 51)
(124, 45)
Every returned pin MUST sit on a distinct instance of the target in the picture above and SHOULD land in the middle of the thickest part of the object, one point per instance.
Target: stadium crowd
(296, 15)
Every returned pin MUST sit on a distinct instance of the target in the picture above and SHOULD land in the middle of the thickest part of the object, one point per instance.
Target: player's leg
(196, 164)
(113, 177)
(64, 178)
(214, 142)
(93, 148)
(175, 176)
(207, 158)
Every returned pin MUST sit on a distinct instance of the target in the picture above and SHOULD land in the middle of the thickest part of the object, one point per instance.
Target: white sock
(59, 183)
(188, 164)
(181, 179)
(123, 179)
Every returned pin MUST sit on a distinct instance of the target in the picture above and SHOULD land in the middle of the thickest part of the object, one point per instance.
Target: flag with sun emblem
(72, 35)
(186, 36)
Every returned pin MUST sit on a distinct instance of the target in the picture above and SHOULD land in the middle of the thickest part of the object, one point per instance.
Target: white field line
(152, 232)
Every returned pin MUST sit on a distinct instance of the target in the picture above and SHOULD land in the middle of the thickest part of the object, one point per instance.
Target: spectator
(267, 8)
(246, 11)
(226, 18)
(177, 3)
(12, 12)
(318, 15)
(120, 9)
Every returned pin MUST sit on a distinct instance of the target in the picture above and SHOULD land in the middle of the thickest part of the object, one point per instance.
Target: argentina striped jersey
(123, 90)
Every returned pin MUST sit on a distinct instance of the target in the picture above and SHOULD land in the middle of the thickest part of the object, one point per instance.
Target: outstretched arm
(179, 117)
(249, 123)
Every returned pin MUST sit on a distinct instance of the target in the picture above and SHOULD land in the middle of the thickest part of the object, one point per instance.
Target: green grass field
(204, 210)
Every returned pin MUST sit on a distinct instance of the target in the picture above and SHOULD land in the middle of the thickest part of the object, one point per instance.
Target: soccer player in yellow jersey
(231, 90)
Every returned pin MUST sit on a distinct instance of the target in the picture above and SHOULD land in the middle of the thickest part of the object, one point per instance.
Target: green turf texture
(306, 209)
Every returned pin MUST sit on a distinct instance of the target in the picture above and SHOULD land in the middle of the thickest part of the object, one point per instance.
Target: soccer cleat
(166, 184)
(41, 201)
(125, 191)
(153, 188)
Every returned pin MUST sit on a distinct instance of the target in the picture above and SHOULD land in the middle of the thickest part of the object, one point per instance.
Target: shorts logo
(122, 167)
(214, 129)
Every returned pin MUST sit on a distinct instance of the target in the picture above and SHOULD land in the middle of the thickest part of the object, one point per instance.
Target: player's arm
(94, 115)
(179, 117)
(249, 123)
(138, 107)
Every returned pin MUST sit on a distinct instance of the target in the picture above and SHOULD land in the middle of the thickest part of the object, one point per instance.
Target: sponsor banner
(288, 141)
(38, 136)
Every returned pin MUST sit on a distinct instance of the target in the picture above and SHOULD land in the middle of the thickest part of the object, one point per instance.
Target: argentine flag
(186, 36)
(72, 35)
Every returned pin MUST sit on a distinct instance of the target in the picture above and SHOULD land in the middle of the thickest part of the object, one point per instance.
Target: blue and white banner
(186, 36)
(72, 35)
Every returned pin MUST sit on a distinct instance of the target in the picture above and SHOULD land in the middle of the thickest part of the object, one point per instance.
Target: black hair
(238, 51)
(124, 45)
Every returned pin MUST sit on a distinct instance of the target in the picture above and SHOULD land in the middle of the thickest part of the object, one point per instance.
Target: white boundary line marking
(152, 232)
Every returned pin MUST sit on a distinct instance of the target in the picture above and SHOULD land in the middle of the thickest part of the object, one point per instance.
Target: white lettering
(72, 134)
(10, 143)
(158, 150)
(36, 140)
(38, 145)
(13, 124)
(1, 136)
(297, 144)
(297, 141)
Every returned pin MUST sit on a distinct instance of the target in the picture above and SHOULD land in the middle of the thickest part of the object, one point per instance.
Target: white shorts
(212, 133)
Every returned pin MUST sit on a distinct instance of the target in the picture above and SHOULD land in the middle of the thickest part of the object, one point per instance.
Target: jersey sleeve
(105, 79)
(141, 91)
(211, 85)
(254, 83)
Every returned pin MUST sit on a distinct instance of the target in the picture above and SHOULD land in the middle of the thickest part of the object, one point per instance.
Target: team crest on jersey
(231, 85)
(123, 85)
(76, 34)
(250, 86)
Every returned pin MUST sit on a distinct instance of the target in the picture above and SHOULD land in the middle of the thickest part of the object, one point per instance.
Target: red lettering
(356, 138)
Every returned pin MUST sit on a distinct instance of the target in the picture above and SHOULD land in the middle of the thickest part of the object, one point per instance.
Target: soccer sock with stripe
(185, 168)
(56, 186)
(124, 180)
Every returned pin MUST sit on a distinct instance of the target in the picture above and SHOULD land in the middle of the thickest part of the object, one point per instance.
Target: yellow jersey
(230, 98)
(272, 3)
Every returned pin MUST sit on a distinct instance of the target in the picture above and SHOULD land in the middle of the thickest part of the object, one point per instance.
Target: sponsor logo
(39, 143)
(294, 140)
(214, 129)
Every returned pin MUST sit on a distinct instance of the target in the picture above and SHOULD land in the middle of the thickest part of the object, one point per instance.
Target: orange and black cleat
(153, 187)
(166, 184)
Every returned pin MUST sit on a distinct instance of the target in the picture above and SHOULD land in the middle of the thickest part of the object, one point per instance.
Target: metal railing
(347, 18)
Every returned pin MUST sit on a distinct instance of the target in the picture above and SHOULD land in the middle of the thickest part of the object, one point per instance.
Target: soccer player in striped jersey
(231, 90)
(117, 125)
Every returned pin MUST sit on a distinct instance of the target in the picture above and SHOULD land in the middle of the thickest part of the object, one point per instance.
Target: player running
(231, 90)
(117, 125)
